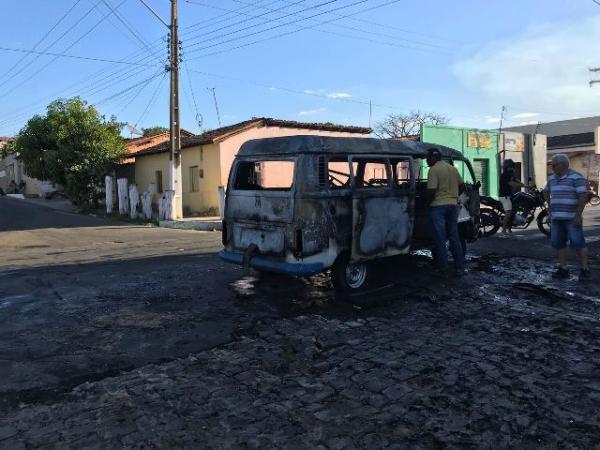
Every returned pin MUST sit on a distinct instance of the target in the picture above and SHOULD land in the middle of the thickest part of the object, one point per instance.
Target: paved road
(119, 336)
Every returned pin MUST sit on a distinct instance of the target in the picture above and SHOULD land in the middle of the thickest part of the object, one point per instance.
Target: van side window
(403, 175)
(338, 173)
(264, 175)
(371, 173)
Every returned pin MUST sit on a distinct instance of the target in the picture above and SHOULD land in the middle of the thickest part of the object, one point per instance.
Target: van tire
(347, 277)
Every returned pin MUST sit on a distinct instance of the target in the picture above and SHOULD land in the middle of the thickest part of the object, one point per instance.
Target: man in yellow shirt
(444, 184)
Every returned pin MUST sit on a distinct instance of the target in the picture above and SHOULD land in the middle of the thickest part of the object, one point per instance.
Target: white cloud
(272, 88)
(339, 95)
(528, 122)
(525, 115)
(314, 91)
(312, 112)
(545, 69)
(491, 119)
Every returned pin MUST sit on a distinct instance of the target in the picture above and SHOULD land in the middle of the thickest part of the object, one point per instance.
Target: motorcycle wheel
(489, 222)
(543, 222)
(594, 201)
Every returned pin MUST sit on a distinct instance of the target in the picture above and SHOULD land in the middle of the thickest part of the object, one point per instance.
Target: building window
(159, 183)
(194, 179)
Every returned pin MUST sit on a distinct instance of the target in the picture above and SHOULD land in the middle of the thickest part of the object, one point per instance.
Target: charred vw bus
(301, 205)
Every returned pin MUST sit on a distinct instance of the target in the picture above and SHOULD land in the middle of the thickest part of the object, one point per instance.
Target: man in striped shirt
(567, 195)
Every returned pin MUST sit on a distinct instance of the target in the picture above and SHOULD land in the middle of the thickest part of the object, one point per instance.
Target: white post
(161, 208)
(122, 193)
(134, 200)
(108, 181)
(221, 201)
(147, 201)
(168, 199)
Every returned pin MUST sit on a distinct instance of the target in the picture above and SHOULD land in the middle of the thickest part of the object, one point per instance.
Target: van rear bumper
(273, 265)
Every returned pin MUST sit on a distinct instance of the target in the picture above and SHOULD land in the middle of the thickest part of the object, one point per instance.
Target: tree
(72, 145)
(402, 125)
(151, 131)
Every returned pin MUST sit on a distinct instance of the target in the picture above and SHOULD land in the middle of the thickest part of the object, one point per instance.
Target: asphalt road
(121, 336)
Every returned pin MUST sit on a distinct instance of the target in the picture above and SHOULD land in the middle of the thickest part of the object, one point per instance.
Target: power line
(152, 101)
(189, 79)
(64, 16)
(392, 44)
(65, 55)
(241, 22)
(14, 88)
(128, 26)
(341, 16)
(290, 32)
(260, 24)
(91, 80)
(128, 89)
(221, 17)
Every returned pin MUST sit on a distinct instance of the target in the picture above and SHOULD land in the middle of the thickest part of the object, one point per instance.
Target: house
(577, 138)
(127, 167)
(486, 150)
(207, 158)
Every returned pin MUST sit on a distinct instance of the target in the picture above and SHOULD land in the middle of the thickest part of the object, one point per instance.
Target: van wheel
(349, 277)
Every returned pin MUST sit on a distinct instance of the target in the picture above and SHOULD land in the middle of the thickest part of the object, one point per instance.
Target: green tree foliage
(72, 145)
(151, 131)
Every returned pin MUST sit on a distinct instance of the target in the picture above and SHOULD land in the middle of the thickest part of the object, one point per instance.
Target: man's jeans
(444, 221)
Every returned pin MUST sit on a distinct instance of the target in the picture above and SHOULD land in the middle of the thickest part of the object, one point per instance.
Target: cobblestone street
(184, 351)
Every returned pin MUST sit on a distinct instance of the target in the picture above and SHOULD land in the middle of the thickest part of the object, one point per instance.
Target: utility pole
(175, 211)
(174, 185)
(594, 69)
(216, 104)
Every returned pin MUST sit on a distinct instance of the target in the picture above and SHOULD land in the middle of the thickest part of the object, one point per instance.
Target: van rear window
(264, 175)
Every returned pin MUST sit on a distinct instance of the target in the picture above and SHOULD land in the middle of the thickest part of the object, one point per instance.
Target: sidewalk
(194, 223)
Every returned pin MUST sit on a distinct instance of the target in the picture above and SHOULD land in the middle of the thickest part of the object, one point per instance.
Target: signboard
(514, 142)
(478, 139)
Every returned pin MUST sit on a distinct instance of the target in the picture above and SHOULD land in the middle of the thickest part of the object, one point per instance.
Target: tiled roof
(211, 136)
(571, 140)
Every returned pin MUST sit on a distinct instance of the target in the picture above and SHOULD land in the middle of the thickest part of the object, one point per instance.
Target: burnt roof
(211, 136)
(290, 145)
(571, 140)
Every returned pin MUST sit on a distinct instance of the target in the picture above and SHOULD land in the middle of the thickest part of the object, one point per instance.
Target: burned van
(301, 205)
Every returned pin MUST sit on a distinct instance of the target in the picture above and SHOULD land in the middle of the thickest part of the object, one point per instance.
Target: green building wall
(456, 138)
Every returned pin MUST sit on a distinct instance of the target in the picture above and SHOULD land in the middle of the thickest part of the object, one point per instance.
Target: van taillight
(299, 243)
(224, 233)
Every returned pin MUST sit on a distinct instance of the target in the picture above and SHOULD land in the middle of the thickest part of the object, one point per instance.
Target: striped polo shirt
(564, 194)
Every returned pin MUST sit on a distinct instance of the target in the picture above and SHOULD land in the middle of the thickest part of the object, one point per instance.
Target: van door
(260, 204)
(382, 206)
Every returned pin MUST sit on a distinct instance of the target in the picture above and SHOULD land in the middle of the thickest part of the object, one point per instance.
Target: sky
(306, 60)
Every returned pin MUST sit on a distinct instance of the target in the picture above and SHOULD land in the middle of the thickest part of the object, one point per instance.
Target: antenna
(133, 130)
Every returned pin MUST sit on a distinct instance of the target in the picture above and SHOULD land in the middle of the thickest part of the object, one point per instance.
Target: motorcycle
(524, 208)
(594, 198)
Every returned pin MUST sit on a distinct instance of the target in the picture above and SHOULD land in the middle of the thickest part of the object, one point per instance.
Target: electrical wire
(127, 25)
(347, 27)
(98, 23)
(65, 55)
(392, 44)
(128, 89)
(152, 101)
(218, 52)
(241, 22)
(43, 38)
